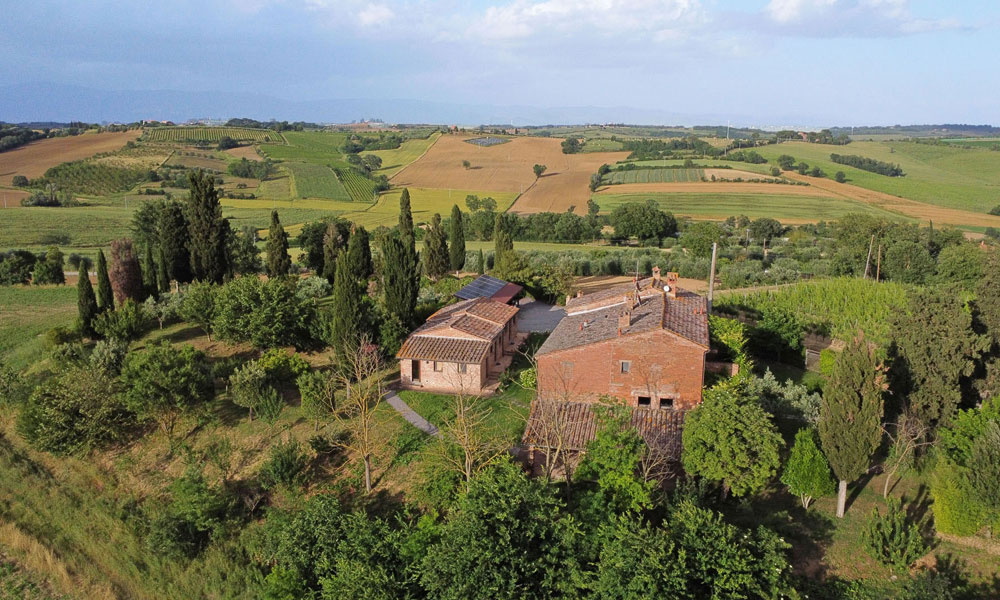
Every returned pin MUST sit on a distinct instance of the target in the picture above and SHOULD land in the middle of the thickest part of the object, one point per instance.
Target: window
(626, 366)
(438, 367)
(644, 401)
(462, 368)
(666, 402)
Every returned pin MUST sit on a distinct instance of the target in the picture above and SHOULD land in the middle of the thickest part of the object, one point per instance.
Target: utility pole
(711, 277)
(868, 261)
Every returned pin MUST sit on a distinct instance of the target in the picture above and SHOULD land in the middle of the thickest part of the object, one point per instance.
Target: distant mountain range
(33, 102)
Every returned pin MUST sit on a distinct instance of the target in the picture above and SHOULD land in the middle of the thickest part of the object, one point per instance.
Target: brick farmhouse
(461, 348)
(643, 344)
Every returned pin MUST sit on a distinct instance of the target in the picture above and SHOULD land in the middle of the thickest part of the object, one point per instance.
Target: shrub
(250, 388)
(312, 287)
(281, 366)
(72, 353)
(127, 323)
(528, 378)
(891, 539)
(286, 466)
(19, 181)
(807, 474)
(827, 358)
(993, 211)
(955, 508)
(57, 336)
(73, 412)
(318, 391)
(108, 356)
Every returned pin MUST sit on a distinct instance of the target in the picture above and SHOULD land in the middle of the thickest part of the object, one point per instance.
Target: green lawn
(86, 226)
(315, 181)
(26, 313)
(940, 174)
(721, 206)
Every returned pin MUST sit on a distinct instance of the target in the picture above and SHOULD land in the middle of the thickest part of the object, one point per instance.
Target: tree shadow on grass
(918, 512)
(187, 334)
(857, 488)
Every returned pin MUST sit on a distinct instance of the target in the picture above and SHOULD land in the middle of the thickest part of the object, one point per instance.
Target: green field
(315, 181)
(989, 143)
(393, 161)
(27, 312)
(602, 145)
(317, 147)
(360, 188)
(721, 206)
(940, 174)
(707, 164)
(654, 176)
(211, 134)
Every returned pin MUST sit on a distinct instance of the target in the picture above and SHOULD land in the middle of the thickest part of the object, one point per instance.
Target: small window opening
(644, 400)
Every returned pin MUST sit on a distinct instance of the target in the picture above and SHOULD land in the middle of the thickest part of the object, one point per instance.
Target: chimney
(625, 320)
(656, 277)
(579, 293)
(672, 282)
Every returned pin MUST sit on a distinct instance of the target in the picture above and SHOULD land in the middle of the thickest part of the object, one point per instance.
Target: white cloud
(375, 14)
(850, 18)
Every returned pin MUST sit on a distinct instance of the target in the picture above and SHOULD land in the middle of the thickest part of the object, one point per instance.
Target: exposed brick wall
(662, 365)
(446, 379)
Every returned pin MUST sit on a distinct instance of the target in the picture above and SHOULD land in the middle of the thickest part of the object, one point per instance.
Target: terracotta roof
(684, 315)
(659, 428)
(479, 317)
(426, 347)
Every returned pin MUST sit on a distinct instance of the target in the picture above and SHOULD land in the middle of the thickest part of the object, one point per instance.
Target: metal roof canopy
(487, 287)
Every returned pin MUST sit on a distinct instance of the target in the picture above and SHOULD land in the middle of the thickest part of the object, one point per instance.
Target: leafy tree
(267, 314)
(803, 168)
(19, 181)
(988, 297)
(347, 309)
(457, 247)
(198, 306)
(473, 203)
(86, 304)
(163, 383)
(435, 254)
(466, 164)
(699, 237)
(126, 276)
(400, 279)
(359, 254)
(984, 467)
(733, 441)
(964, 264)
(638, 562)
(538, 170)
(505, 539)
(644, 221)
(335, 240)
(840, 177)
(850, 423)
(778, 331)
(105, 293)
(786, 162)
(908, 262)
(207, 229)
(612, 460)
(807, 474)
(571, 146)
(250, 387)
(935, 347)
(72, 412)
(318, 390)
(765, 229)
(15, 269)
(174, 238)
(278, 260)
(244, 253)
(50, 268)
(312, 240)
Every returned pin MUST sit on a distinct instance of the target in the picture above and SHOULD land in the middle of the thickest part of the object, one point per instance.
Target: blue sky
(767, 62)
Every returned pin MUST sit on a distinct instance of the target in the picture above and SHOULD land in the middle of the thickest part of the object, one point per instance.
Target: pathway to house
(538, 316)
(409, 414)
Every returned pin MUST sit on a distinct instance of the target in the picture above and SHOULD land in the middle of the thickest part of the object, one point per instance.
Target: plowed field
(33, 160)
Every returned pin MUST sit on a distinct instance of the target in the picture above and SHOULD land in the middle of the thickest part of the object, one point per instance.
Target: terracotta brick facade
(657, 367)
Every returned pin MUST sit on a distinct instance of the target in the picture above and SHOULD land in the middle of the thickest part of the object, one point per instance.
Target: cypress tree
(400, 279)
(480, 262)
(359, 254)
(208, 230)
(850, 421)
(162, 277)
(278, 260)
(406, 234)
(86, 302)
(457, 248)
(333, 243)
(503, 244)
(435, 249)
(105, 294)
(149, 272)
(347, 307)
(172, 231)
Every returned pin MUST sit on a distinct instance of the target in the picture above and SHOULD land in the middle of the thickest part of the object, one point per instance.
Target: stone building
(642, 343)
(461, 348)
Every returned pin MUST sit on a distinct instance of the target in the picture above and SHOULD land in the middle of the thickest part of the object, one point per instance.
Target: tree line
(868, 164)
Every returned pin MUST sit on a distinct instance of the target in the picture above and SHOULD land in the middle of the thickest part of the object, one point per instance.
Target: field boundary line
(428, 149)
